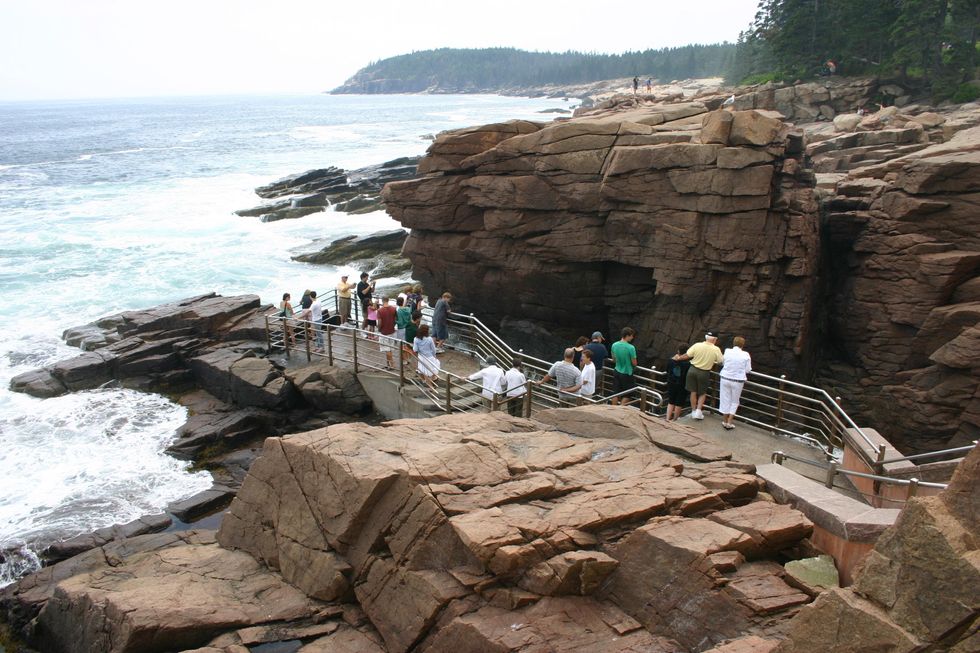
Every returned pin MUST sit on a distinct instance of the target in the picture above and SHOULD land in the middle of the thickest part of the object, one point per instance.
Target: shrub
(965, 93)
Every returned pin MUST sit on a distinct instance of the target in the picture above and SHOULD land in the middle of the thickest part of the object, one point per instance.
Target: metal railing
(367, 350)
(832, 469)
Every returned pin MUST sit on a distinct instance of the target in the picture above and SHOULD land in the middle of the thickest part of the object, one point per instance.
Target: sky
(63, 49)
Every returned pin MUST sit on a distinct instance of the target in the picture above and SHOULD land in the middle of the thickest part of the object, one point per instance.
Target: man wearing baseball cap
(343, 299)
(703, 356)
(599, 356)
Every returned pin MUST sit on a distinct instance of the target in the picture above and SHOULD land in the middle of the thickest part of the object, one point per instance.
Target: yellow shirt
(343, 289)
(705, 355)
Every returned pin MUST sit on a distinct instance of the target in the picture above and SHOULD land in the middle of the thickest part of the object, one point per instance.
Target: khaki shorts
(698, 380)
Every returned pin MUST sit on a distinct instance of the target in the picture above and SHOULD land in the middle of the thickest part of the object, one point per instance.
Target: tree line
(509, 67)
(929, 42)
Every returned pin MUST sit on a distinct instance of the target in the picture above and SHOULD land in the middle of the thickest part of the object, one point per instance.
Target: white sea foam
(326, 133)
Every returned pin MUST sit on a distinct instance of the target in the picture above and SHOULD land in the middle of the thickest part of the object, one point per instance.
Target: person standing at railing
(403, 317)
(567, 376)
(343, 299)
(734, 373)
(387, 315)
(599, 356)
(492, 378)
(286, 313)
(624, 357)
(364, 291)
(515, 382)
(425, 350)
(440, 319)
(316, 316)
(677, 395)
(703, 356)
(587, 390)
(413, 327)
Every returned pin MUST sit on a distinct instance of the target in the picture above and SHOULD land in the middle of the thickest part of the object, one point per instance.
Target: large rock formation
(640, 218)
(671, 218)
(919, 589)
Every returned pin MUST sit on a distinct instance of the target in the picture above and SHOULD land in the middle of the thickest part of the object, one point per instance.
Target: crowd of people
(579, 376)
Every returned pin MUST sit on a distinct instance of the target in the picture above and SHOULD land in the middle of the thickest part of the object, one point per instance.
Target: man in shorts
(387, 316)
(568, 378)
(703, 356)
(624, 356)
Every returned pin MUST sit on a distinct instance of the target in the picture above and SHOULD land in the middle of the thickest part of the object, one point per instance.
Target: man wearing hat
(343, 299)
(599, 356)
(703, 356)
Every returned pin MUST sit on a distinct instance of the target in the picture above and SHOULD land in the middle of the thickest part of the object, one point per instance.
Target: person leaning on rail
(703, 356)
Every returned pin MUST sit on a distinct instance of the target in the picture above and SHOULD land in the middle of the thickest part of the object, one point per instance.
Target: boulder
(327, 387)
(771, 527)
(846, 122)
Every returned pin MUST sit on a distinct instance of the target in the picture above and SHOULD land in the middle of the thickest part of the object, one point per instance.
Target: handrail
(832, 470)
(932, 454)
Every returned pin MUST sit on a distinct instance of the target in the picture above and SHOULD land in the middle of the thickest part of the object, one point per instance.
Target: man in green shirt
(624, 356)
(403, 317)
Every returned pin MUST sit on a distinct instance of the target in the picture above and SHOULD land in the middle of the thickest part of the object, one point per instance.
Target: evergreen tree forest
(498, 68)
(932, 43)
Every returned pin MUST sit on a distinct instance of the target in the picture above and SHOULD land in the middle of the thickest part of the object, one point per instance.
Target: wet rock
(73, 546)
(38, 383)
(202, 503)
(290, 213)
(370, 252)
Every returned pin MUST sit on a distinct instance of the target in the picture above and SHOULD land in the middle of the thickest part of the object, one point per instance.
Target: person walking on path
(677, 395)
(387, 315)
(579, 347)
(703, 356)
(425, 350)
(364, 291)
(734, 374)
(624, 357)
(567, 376)
(343, 299)
(492, 377)
(440, 319)
(515, 381)
(588, 376)
(599, 356)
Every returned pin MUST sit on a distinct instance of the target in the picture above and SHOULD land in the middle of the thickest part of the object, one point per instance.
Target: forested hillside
(932, 41)
(450, 69)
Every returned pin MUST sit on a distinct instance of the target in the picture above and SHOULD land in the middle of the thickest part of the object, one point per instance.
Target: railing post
(643, 400)
(307, 332)
(913, 487)
(401, 364)
(268, 335)
(449, 394)
(778, 457)
(779, 400)
(527, 399)
(494, 403)
(285, 335)
(831, 473)
(353, 340)
(879, 460)
(330, 344)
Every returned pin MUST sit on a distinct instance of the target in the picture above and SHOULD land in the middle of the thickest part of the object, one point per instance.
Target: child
(372, 317)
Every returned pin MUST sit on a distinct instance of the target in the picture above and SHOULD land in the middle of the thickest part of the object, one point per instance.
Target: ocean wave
(326, 133)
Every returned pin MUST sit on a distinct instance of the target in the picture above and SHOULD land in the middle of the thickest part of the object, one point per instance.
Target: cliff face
(673, 218)
(641, 218)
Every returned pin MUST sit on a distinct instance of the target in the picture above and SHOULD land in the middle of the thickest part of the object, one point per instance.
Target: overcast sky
(126, 48)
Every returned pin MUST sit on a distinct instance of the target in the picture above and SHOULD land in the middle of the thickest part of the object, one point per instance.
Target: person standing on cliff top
(364, 292)
(703, 356)
(440, 319)
(343, 299)
(636, 84)
(624, 356)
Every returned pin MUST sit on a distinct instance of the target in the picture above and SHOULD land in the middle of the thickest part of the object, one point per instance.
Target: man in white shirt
(734, 374)
(316, 316)
(492, 376)
(516, 381)
(588, 376)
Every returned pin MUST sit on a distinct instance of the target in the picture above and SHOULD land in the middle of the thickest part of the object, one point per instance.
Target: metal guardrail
(366, 350)
(832, 470)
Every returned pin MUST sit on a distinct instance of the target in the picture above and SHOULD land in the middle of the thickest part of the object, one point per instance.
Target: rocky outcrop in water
(480, 532)
(351, 191)
(378, 253)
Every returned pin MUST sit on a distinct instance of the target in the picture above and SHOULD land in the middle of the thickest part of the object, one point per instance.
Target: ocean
(113, 205)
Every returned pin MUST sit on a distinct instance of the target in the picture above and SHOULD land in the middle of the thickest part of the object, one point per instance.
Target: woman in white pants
(734, 373)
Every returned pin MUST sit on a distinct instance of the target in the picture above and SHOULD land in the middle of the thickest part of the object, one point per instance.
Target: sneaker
(697, 414)
(728, 427)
